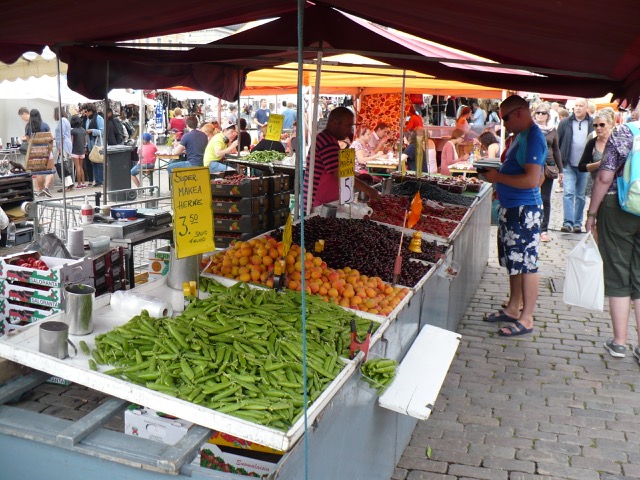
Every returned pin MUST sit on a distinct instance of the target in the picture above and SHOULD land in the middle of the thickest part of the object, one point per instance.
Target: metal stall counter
(347, 413)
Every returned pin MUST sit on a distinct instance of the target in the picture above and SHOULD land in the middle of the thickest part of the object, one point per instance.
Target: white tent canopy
(32, 65)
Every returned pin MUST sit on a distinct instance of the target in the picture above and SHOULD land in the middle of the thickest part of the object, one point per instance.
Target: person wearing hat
(222, 143)
(147, 155)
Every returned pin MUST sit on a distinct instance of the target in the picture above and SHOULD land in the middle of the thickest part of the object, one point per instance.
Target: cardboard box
(22, 314)
(248, 187)
(47, 297)
(159, 262)
(61, 271)
(239, 223)
(147, 423)
(240, 462)
(226, 440)
(242, 206)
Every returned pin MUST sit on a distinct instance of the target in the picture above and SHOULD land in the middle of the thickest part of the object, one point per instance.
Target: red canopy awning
(582, 49)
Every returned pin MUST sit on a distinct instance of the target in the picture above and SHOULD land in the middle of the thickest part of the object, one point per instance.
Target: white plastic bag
(584, 280)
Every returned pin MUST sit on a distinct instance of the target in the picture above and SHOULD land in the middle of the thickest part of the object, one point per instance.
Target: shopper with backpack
(618, 236)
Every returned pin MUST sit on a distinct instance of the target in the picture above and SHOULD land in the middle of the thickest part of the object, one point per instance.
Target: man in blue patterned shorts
(519, 215)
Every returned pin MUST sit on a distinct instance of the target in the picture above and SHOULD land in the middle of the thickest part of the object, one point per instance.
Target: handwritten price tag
(346, 173)
(274, 127)
(192, 212)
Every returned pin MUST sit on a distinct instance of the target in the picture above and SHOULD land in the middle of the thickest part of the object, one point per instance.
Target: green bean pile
(379, 373)
(238, 352)
(264, 156)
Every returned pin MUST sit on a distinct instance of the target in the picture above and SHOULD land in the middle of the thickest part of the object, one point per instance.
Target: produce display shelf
(22, 347)
(227, 282)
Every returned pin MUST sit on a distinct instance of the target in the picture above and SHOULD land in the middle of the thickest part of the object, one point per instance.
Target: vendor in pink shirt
(450, 153)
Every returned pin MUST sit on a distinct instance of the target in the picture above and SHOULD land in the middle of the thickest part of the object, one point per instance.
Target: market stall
(382, 422)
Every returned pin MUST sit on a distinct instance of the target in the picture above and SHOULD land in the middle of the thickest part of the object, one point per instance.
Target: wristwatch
(591, 215)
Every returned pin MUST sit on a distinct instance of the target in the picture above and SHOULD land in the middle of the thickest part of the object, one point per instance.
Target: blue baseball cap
(146, 137)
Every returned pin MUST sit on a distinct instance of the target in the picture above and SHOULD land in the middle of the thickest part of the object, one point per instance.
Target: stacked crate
(279, 197)
(108, 272)
(28, 295)
(239, 209)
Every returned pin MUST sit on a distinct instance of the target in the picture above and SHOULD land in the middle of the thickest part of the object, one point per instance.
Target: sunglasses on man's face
(601, 125)
(505, 118)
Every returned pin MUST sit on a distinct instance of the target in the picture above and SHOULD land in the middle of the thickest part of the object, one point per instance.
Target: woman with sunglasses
(541, 117)
(603, 124)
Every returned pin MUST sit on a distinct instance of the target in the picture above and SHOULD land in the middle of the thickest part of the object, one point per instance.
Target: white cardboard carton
(148, 423)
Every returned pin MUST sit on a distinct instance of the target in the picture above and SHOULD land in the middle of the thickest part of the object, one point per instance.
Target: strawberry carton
(33, 268)
(226, 440)
(237, 461)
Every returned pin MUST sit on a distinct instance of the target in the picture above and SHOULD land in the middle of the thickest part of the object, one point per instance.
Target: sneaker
(45, 191)
(81, 185)
(38, 194)
(614, 349)
(636, 352)
(544, 237)
(577, 229)
(566, 229)
(97, 184)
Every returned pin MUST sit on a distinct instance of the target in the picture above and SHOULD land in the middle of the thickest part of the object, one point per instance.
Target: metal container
(53, 339)
(78, 309)
(182, 270)
(328, 210)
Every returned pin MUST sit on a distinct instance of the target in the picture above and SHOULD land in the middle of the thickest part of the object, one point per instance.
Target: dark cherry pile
(431, 192)
(367, 246)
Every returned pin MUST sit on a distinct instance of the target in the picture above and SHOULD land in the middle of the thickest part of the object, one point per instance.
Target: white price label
(347, 190)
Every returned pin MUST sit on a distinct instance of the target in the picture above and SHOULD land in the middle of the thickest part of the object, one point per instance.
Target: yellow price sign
(347, 163)
(274, 127)
(346, 172)
(192, 212)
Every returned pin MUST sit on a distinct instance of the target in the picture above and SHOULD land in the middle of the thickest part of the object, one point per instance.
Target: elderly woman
(449, 154)
(541, 117)
(618, 240)
(603, 124)
(177, 123)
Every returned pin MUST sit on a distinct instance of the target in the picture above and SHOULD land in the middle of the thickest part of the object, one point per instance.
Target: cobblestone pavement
(552, 405)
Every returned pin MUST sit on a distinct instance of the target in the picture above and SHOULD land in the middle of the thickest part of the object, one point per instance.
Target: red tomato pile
(31, 262)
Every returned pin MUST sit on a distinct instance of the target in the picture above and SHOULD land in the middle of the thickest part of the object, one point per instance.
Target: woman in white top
(450, 153)
(363, 150)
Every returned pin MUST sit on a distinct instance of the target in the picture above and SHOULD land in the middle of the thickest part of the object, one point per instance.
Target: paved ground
(552, 405)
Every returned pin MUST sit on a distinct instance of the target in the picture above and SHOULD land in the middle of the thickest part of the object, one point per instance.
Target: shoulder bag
(95, 155)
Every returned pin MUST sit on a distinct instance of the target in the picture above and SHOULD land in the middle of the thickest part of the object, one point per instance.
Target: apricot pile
(253, 261)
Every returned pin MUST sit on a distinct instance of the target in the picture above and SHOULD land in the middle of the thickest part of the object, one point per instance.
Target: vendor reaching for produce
(220, 144)
(325, 172)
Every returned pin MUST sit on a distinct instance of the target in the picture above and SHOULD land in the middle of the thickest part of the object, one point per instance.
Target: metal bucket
(182, 270)
(78, 309)
(329, 211)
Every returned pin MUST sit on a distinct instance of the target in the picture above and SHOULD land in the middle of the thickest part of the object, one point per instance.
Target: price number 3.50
(186, 222)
